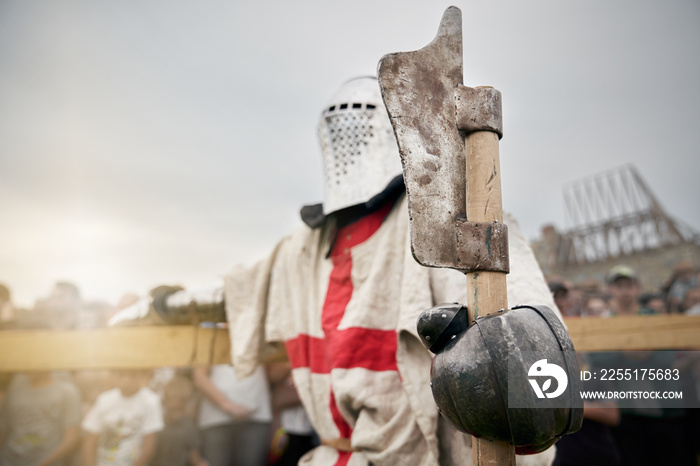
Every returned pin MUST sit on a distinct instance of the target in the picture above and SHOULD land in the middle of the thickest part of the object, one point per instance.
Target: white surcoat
(349, 327)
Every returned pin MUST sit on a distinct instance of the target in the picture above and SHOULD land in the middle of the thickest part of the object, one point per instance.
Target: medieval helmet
(360, 153)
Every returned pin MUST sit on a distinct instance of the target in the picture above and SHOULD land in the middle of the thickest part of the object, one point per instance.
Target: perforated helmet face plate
(360, 154)
(345, 140)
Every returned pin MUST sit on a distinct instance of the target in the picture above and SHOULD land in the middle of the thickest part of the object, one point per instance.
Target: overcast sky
(152, 141)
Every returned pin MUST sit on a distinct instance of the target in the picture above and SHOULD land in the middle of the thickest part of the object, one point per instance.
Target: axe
(448, 140)
(448, 136)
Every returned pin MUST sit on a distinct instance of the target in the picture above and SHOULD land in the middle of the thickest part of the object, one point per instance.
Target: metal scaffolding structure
(613, 214)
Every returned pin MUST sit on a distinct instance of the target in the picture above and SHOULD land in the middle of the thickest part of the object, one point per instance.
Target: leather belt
(341, 444)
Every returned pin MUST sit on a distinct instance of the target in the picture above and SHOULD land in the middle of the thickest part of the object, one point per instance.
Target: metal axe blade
(418, 90)
(431, 111)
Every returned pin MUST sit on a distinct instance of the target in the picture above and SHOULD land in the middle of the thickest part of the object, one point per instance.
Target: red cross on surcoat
(353, 347)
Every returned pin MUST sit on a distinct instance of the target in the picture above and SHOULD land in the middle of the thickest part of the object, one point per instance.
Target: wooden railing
(159, 346)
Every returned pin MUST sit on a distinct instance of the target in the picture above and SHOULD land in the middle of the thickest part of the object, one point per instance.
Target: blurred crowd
(63, 308)
(621, 294)
(646, 432)
(202, 416)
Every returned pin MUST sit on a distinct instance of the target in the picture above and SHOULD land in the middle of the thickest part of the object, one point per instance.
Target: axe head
(418, 89)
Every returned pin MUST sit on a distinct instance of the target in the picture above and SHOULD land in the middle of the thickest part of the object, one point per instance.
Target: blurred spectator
(691, 303)
(654, 302)
(235, 416)
(577, 301)
(594, 444)
(64, 309)
(7, 311)
(596, 306)
(645, 419)
(295, 434)
(121, 426)
(562, 298)
(60, 310)
(178, 444)
(684, 278)
(653, 418)
(39, 420)
(624, 289)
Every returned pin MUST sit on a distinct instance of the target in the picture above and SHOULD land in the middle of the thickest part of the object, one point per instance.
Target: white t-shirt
(121, 423)
(252, 392)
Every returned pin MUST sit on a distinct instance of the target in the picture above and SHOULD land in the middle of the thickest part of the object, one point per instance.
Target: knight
(342, 294)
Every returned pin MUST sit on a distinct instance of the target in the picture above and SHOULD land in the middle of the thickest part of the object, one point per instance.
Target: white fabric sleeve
(246, 295)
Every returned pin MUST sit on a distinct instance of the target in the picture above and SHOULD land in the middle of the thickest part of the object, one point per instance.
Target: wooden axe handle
(486, 291)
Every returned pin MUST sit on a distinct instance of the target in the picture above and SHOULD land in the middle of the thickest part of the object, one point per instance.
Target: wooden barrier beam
(179, 346)
(629, 333)
(113, 348)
